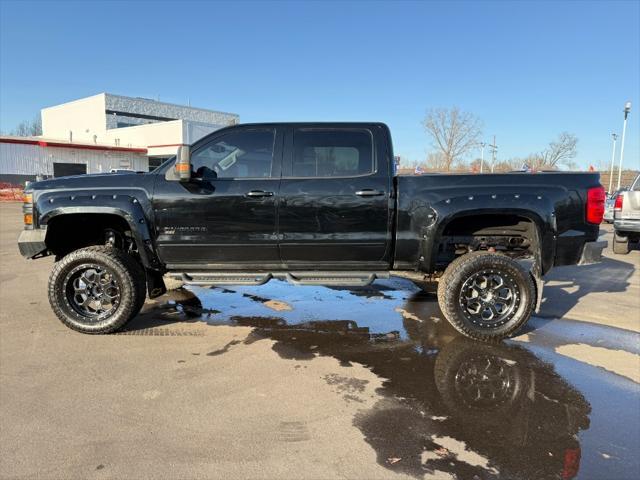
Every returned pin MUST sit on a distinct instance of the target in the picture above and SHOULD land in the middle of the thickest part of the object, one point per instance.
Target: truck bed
(554, 201)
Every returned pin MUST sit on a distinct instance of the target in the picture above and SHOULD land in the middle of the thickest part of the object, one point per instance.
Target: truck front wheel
(96, 289)
(486, 296)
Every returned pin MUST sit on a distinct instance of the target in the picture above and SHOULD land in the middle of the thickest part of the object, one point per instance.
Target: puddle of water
(448, 405)
(310, 304)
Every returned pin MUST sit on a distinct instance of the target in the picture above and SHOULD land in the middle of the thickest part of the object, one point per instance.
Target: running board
(205, 279)
(347, 279)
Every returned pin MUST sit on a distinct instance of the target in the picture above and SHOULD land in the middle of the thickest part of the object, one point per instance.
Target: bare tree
(436, 162)
(559, 152)
(28, 128)
(454, 133)
(512, 164)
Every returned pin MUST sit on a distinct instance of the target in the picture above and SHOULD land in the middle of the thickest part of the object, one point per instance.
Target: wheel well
(70, 232)
(513, 235)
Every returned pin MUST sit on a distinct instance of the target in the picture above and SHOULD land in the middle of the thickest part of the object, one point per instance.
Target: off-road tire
(460, 270)
(620, 244)
(128, 274)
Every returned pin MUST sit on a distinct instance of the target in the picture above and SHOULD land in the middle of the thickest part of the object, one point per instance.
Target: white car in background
(626, 218)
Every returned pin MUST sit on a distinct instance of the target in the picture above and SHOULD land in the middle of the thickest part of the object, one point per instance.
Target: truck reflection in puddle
(448, 404)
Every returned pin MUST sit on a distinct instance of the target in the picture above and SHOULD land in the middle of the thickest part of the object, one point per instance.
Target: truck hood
(91, 181)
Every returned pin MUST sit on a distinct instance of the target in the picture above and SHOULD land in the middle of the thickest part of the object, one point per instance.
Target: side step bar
(350, 279)
(205, 279)
(347, 279)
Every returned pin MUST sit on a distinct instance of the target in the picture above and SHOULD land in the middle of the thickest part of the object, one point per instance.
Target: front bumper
(31, 242)
(592, 252)
(631, 225)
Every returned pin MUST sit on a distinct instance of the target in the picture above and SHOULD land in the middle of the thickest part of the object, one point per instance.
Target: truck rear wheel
(620, 244)
(486, 296)
(96, 289)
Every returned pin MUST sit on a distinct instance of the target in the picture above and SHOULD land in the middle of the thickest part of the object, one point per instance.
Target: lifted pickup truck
(310, 203)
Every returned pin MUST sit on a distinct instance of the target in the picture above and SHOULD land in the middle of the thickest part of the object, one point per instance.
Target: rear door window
(319, 153)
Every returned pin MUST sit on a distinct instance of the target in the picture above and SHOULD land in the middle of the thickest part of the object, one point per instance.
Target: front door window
(245, 154)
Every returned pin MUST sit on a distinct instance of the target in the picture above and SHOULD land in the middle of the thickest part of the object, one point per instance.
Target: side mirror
(183, 163)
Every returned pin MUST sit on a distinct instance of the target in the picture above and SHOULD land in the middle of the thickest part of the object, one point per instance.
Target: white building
(104, 132)
(26, 158)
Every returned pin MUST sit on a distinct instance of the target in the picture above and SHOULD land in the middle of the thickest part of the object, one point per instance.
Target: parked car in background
(626, 218)
(609, 203)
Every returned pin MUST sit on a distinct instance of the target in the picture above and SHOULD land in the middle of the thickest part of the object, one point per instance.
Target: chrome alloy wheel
(92, 291)
(489, 298)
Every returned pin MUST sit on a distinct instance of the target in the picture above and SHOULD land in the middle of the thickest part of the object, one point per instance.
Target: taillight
(595, 204)
(618, 204)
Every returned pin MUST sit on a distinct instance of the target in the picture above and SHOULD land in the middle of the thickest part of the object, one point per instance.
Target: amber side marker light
(27, 207)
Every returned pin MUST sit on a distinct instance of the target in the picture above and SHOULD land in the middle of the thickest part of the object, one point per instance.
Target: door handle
(259, 193)
(368, 192)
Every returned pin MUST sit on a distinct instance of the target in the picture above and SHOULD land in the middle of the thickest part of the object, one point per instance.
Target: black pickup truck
(310, 203)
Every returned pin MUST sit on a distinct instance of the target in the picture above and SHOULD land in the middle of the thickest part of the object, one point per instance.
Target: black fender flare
(530, 206)
(123, 205)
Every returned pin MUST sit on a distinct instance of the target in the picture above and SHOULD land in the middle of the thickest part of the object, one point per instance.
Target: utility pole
(613, 157)
(482, 145)
(627, 109)
(494, 152)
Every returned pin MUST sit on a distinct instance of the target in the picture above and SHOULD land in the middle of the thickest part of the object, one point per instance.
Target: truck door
(335, 199)
(225, 217)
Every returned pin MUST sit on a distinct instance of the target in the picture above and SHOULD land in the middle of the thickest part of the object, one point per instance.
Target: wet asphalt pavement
(514, 410)
(312, 382)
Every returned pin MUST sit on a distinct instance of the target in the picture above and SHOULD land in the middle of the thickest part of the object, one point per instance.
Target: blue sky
(528, 70)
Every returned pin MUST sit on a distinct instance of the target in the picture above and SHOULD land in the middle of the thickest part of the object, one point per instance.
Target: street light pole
(613, 157)
(494, 150)
(627, 109)
(482, 145)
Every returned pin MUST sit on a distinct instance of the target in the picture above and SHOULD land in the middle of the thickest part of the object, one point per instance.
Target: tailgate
(631, 204)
